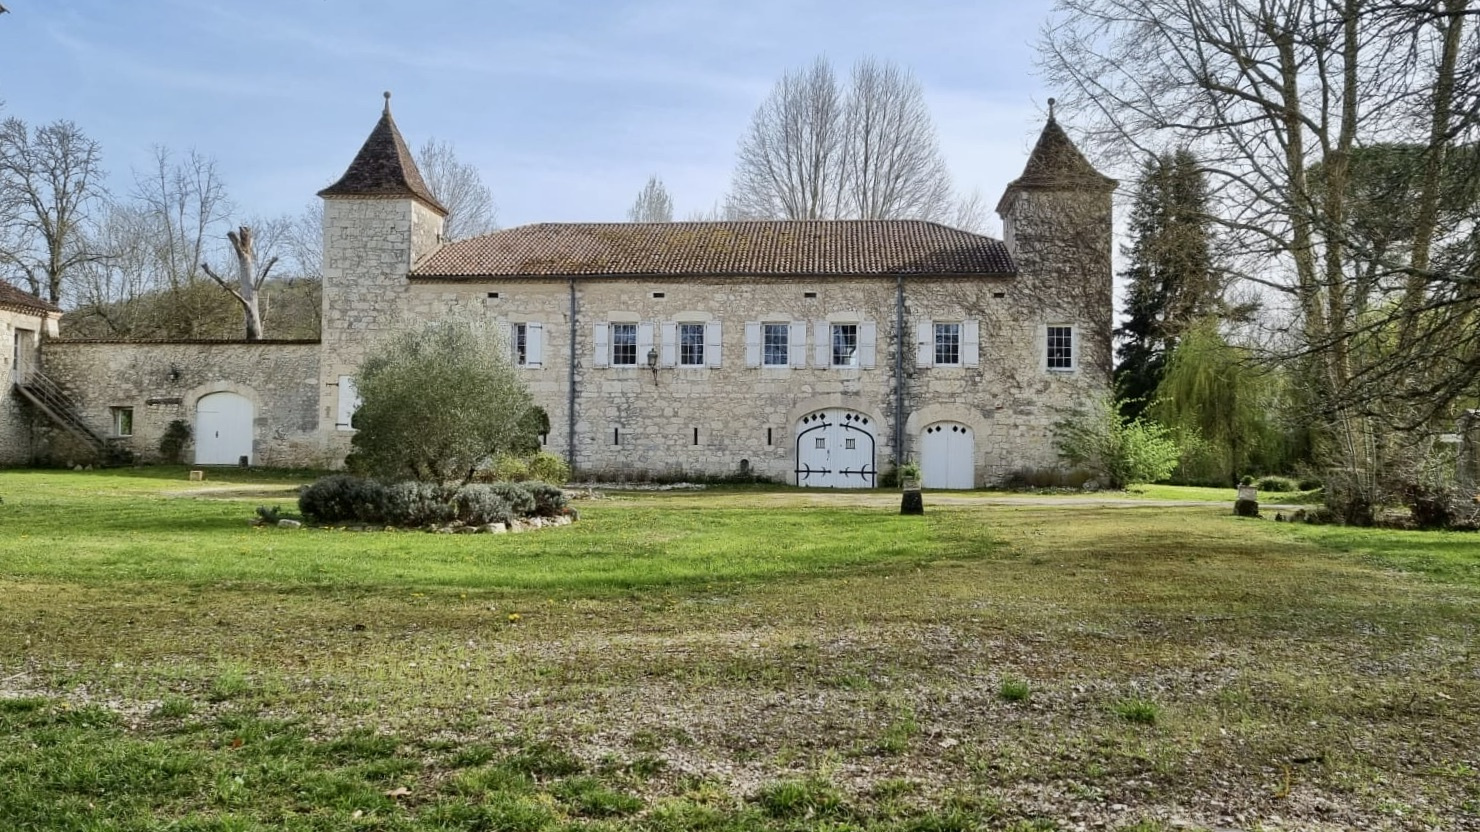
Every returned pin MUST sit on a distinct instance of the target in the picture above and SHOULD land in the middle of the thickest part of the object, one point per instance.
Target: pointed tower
(380, 220)
(1056, 221)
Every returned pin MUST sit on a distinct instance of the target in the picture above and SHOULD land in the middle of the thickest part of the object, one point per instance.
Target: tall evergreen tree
(1171, 277)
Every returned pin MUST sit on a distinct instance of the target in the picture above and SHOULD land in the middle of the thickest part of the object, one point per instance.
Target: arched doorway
(223, 429)
(948, 456)
(835, 449)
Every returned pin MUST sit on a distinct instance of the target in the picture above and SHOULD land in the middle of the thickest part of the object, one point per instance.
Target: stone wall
(16, 439)
(162, 382)
(633, 420)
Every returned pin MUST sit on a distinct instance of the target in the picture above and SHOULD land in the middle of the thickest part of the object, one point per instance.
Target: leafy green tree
(1120, 451)
(1220, 403)
(1172, 281)
(438, 404)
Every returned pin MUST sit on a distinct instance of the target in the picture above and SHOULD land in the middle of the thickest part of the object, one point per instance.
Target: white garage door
(223, 429)
(835, 449)
(947, 456)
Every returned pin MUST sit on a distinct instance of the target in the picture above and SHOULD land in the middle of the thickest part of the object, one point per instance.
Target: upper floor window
(624, 345)
(947, 344)
(776, 345)
(845, 345)
(1060, 348)
(691, 345)
(519, 341)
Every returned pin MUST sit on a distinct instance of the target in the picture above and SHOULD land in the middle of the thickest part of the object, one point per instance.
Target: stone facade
(161, 382)
(21, 332)
(636, 420)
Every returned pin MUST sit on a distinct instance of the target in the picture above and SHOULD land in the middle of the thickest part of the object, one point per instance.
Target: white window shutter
(971, 343)
(349, 402)
(712, 343)
(868, 338)
(796, 344)
(644, 343)
(752, 344)
(924, 344)
(534, 344)
(823, 343)
(668, 353)
(602, 336)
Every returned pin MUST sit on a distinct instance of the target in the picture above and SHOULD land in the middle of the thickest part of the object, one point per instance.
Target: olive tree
(439, 403)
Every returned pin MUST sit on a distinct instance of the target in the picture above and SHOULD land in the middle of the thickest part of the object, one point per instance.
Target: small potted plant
(909, 483)
(909, 476)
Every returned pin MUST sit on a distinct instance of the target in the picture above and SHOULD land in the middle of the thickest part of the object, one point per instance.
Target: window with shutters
(776, 345)
(1060, 348)
(123, 421)
(624, 345)
(947, 344)
(691, 345)
(845, 345)
(519, 338)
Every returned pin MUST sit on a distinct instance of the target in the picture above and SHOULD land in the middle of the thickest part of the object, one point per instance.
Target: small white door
(835, 449)
(223, 429)
(948, 456)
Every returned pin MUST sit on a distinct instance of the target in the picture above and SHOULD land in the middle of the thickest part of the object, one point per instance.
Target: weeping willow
(1219, 404)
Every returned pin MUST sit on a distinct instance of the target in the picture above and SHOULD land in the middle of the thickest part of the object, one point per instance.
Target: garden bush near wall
(347, 499)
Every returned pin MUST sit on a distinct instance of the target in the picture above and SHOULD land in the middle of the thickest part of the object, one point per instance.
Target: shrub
(549, 501)
(438, 403)
(479, 505)
(1277, 484)
(547, 467)
(341, 498)
(1118, 451)
(1026, 479)
(510, 469)
(518, 496)
(172, 443)
(417, 504)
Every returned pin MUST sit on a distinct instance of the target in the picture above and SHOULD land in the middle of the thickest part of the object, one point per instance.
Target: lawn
(742, 660)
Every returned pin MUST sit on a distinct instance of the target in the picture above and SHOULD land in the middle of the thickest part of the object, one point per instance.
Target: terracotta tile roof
(677, 249)
(1056, 162)
(384, 167)
(16, 299)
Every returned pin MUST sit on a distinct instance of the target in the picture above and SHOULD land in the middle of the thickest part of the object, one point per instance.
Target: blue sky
(565, 107)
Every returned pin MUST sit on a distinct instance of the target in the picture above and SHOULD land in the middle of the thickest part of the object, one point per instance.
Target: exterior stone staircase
(48, 399)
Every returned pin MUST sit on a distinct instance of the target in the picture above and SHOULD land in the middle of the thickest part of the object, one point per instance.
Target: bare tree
(249, 279)
(817, 150)
(1278, 99)
(892, 164)
(790, 164)
(653, 203)
(471, 210)
(50, 182)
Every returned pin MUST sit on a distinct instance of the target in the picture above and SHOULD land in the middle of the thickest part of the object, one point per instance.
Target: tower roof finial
(387, 95)
(1051, 102)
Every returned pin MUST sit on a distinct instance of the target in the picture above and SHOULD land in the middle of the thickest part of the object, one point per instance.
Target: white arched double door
(835, 449)
(948, 456)
(223, 429)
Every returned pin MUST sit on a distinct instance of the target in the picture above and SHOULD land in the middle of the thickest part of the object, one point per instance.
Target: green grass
(748, 659)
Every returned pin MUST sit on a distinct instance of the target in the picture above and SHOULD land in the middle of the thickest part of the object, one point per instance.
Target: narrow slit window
(696, 436)
(616, 436)
(768, 437)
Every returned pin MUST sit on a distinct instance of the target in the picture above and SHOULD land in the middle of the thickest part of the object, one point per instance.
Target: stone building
(812, 352)
(24, 321)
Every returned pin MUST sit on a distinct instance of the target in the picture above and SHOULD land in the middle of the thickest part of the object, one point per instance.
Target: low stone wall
(163, 381)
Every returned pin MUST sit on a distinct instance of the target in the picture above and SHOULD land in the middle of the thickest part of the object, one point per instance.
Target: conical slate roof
(384, 168)
(1056, 163)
